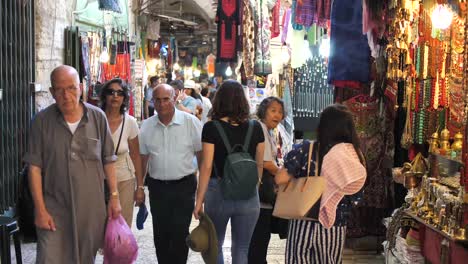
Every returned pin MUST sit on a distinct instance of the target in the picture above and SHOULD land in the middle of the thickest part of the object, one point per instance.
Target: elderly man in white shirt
(169, 141)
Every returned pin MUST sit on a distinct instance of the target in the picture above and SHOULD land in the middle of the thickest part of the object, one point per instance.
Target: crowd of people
(179, 152)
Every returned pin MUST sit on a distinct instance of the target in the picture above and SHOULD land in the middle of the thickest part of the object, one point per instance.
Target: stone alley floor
(147, 252)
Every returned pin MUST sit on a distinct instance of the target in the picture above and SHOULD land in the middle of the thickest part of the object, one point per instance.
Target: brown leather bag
(299, 198)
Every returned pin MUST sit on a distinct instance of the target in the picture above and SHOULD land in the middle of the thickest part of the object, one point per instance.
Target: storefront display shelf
(435, 229)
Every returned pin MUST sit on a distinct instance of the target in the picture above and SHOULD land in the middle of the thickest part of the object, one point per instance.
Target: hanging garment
(350, 54)
(227, 19)
(84, 58)
(275, 20)
(286, 25)
(248, 40)
(262, 19)
(306, 12)
(294, 25)
(109, 5)
(153, 29)
(375, 132)
(323, 12)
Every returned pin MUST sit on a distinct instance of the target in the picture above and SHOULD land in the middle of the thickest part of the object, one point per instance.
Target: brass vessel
(434, 142)
(444, 139)
(457, 144)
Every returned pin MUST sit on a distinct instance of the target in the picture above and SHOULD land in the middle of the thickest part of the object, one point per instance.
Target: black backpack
(240, 174)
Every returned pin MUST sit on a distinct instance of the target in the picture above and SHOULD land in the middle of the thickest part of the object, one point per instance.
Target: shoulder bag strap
(248, 137)
(317, 159)
(223, 135)
(309, 157)
(120, 137)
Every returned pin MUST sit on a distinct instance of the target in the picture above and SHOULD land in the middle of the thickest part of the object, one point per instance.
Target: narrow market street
(147, 254)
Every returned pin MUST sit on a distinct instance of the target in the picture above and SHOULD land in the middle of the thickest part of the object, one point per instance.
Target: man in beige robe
(70, 153)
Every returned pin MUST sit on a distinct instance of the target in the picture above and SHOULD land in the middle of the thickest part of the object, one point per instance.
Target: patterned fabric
(262, 9)
(309, 242)
(296, 164)
(323, 12)
(227, 19)
(375, 131)
(306, 12)
(344, 174)
(349, 45)
(248, 39)
(295, 26)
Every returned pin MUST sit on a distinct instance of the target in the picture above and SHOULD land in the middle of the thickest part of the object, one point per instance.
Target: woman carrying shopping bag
(114, 102)
(341, 164)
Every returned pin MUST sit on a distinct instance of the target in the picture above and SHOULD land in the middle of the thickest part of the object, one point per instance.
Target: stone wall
(52, 17)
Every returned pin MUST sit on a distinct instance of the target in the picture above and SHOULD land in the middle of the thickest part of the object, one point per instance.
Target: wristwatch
(114, 194)
(141, 187)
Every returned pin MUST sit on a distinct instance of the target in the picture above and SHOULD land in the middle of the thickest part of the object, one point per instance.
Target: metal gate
(16, 99)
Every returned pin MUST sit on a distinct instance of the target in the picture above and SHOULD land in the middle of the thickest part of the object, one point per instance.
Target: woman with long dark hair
(230, 115)
(124, 128)
(342, 164)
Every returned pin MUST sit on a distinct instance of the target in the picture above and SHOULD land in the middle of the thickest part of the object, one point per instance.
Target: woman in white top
(271, 113)
(124, 128)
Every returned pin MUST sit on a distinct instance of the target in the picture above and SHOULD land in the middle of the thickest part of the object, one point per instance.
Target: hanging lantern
(441, 17)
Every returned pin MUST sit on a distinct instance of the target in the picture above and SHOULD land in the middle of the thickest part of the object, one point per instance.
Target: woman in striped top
(310, 241)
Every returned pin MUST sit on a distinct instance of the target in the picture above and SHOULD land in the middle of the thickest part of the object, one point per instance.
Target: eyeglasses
(62, 91)
(114, 92)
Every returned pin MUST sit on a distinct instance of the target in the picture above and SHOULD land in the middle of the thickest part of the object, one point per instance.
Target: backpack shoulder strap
(248, 137)
(223, 135)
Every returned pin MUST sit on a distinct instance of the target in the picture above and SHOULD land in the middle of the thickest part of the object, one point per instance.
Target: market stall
(427, 64)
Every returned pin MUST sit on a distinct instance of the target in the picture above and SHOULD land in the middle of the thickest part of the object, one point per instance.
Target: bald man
(169, 141)
(70, 153)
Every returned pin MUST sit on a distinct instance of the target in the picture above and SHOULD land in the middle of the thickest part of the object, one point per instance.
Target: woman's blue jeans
(243, 215)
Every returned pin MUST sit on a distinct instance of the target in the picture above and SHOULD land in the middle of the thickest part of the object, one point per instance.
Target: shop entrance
(16, 98)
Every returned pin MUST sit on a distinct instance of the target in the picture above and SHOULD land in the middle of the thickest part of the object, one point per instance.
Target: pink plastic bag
(120, 246)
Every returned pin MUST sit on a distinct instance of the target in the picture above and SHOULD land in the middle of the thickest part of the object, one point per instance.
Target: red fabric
(131, 105)
(121, 69)
(431, 247)
(229, 7)
(123, 66)
(275, 18)
(458, 254)
(347, 84)
(228, 50)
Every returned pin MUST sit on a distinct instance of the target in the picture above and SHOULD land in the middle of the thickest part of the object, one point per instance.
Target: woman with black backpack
(232, 165)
